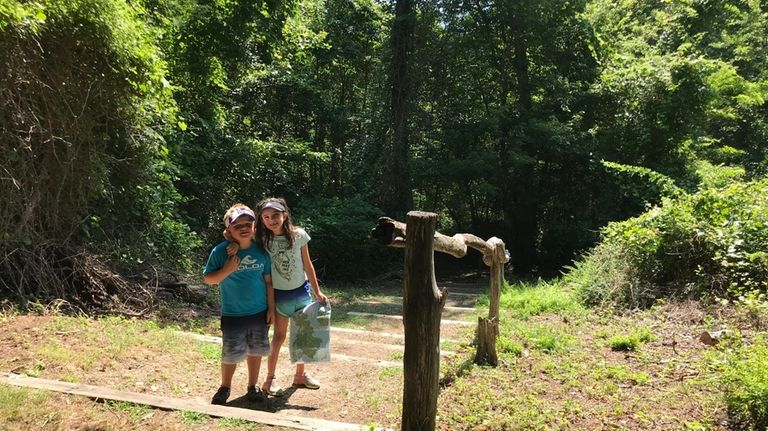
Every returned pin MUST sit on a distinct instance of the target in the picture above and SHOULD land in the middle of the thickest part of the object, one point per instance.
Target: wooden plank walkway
(162, 402)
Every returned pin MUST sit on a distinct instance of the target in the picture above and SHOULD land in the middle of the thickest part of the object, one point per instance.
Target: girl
(292, 276)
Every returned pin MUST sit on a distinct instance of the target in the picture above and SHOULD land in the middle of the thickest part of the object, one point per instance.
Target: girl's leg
(278, 337)
(302, 378)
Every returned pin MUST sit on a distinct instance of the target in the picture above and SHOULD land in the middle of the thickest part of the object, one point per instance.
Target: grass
(566, 367)
(632, 341)
(22, 406)
(524, 300)
(745, 376)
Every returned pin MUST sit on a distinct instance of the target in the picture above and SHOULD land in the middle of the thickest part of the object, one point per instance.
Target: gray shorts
(244, 336)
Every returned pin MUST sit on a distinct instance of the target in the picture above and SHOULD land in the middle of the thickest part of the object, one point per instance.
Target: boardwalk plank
(97, 392)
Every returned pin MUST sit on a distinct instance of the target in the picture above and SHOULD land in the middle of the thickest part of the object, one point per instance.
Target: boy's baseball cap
(237, 213)
(275, 206)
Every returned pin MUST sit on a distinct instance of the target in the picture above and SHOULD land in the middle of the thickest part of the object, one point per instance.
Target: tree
(395, 195)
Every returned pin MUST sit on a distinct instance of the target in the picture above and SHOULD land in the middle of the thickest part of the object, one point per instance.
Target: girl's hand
(270, 315)
(232, 248)
(321, 297)
(231, 264)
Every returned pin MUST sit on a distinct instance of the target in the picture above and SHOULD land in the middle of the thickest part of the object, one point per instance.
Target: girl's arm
(309, 269)
(216, 277)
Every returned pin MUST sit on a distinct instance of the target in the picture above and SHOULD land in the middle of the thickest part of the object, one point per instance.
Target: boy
(247, 301)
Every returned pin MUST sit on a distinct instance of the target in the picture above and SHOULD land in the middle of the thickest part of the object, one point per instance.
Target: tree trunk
(422, 307)
(395, 193)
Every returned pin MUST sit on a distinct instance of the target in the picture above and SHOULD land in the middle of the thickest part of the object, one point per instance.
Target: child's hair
(236, 211)
(265, 235)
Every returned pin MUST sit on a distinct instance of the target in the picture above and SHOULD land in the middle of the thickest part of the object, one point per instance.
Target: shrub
(630, 342)
(745, 378)
(704, 245)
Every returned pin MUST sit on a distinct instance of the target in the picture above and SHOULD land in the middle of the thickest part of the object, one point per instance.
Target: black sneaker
(255, 394)
(220, 397)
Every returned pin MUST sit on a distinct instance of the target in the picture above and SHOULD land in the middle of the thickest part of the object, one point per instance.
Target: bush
(630, 342)
(703, 245)
(745, 378)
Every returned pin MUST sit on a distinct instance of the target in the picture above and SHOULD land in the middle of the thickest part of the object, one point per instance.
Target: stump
(487, 331)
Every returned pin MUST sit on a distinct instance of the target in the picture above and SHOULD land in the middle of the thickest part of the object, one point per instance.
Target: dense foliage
(707, 244)
(85, 108)
(745, 376)
(128, 127)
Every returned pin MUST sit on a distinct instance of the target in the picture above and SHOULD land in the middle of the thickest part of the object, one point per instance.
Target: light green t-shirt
(287, 265)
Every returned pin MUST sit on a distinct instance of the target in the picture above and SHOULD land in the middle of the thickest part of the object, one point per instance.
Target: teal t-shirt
(244, 292)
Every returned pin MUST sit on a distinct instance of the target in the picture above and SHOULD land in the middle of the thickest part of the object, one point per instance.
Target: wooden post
(488, 329)
(496, 264)
(422, 306)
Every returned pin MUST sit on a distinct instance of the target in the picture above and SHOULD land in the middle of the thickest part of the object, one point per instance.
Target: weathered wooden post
(422, 306)
(488, 328)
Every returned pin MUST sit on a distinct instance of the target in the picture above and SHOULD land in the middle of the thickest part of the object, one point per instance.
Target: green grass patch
(133, 410)
(507, 346)
(210, 351)
(621, 374)
(746, 380)
(630, 342)
(523, 300)
(192, 418)
(544, 338)
(21, 405)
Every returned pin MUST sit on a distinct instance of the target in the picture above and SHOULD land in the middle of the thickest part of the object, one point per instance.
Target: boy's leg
(227, 371)
(254, 366)
(258, 346)
(222, 394)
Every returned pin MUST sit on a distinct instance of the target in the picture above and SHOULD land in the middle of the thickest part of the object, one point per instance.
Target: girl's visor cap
(275, 206)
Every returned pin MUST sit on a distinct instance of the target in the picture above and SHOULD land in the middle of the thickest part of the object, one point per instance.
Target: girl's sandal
(270, 388)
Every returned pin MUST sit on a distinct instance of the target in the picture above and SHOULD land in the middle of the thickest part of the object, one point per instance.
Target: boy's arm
(309, 269)
(270, 298)
(216, 277)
